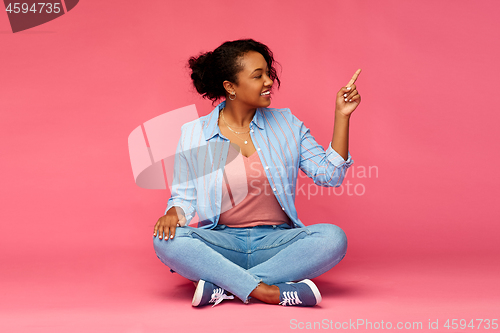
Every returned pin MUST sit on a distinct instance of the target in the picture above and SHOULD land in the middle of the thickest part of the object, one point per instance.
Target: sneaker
(302, 293)
(207, 293)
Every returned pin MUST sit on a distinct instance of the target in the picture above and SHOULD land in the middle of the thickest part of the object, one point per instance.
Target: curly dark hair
(209, 70)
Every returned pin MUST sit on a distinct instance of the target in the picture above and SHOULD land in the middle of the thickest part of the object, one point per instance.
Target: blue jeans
(238, 259)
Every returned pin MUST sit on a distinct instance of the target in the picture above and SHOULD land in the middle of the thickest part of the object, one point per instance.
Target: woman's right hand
(169, 222)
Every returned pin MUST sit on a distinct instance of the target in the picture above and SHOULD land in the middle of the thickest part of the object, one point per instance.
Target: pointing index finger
(354, 77)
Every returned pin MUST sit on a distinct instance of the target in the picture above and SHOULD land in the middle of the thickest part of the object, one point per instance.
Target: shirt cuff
(336, 159)
(189, 213)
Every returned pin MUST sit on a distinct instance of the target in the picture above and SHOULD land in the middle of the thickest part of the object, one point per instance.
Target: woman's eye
(258, 77)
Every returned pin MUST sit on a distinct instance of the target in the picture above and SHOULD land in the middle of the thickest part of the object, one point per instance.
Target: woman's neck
(238, 115)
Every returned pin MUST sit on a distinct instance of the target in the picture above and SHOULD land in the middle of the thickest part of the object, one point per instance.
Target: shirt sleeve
(324, 168)
(183, 184)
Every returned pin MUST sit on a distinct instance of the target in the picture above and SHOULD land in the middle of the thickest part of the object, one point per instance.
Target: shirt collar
(211, 128)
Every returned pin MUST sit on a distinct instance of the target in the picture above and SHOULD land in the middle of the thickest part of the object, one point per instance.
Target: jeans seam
(214, 243)
(249, 249)
(273, 246)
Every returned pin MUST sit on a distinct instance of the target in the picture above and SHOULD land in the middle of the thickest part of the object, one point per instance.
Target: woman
(237, 168)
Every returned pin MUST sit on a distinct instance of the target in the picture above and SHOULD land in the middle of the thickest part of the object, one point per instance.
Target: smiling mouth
(266, 93)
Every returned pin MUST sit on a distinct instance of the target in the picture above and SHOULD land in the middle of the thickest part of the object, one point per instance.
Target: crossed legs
(249, 261)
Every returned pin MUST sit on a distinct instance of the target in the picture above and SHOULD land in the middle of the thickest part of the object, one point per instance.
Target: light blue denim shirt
(284, 145)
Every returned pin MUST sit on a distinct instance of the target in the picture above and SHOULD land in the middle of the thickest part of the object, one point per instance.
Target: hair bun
(199, 66)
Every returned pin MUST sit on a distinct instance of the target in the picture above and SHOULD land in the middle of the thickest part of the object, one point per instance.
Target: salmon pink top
(259, 205)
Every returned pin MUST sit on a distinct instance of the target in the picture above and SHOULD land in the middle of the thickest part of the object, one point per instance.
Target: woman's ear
(229, 87)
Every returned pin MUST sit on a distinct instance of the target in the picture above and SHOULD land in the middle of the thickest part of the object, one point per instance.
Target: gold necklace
(227, 125)
(224, 119)
(246, 142)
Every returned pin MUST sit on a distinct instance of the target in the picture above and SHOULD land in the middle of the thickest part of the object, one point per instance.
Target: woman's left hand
(348, 97)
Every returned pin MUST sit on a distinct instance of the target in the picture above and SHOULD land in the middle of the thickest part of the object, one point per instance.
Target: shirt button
(283, 208)
(258, 149)
(274, 189)
(251, 131)
(267, 167)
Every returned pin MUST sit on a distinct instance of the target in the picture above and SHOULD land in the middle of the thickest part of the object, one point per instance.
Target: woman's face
(254, 85)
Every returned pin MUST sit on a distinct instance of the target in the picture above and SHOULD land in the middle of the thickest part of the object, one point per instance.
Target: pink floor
(131, 291)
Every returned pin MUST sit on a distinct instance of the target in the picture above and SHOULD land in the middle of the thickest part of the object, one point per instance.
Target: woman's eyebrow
(255, 70)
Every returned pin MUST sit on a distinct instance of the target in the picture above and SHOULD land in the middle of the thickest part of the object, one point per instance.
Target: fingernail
(345, 99)
(348, 88)
(350, 100)
(171, 236)
(345, 95)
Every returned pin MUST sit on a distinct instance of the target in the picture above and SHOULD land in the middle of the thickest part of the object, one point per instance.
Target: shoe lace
(218, 295)
(290, 298)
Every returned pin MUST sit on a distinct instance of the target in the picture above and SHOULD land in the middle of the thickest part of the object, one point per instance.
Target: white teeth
(266, 93)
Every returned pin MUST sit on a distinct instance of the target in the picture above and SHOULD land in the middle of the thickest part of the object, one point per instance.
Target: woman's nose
(269, 82)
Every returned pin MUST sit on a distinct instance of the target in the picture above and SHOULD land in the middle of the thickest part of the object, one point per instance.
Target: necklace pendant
(246, 142)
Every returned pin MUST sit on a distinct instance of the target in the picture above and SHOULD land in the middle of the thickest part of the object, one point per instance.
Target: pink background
(76, 230)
